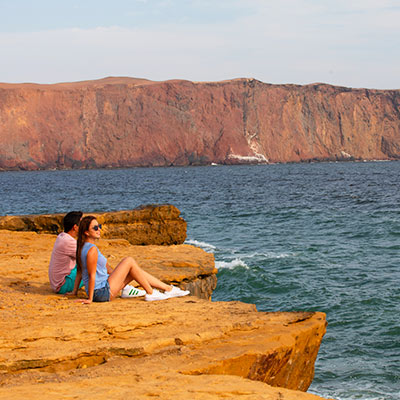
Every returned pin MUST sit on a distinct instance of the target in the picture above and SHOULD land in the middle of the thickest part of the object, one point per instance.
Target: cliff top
(131, 81)
(52, 346)
(111, 80)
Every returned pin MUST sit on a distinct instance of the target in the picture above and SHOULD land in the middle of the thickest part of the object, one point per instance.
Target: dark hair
(83, 227)
(71, 219)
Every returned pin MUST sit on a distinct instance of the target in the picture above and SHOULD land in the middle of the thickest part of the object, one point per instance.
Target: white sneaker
(176, 292)
(156, 295)
(130, 291)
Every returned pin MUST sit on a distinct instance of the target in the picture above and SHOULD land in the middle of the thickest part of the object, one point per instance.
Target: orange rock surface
(123, 122)
(145, 225)
(182, 348)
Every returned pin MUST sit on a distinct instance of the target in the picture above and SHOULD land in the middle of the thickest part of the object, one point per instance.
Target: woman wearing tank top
(102, 283)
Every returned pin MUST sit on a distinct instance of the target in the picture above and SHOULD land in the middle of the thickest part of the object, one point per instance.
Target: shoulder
(88, 245)
(90, 248)
(65, 238)
(92, 256)
(65, 243)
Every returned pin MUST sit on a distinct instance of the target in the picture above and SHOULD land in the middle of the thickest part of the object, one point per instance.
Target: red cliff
(123, 122)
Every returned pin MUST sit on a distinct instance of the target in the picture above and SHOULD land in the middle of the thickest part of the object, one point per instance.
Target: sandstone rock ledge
(186, 348)
(159, 224)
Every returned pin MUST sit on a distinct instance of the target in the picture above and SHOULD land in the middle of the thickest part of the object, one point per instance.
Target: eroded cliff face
(123, 122)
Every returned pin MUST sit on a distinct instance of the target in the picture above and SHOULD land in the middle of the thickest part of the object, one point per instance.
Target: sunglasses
(97, 227)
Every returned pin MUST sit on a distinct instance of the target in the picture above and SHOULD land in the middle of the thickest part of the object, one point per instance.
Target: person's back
(63, 260)
(62, 270)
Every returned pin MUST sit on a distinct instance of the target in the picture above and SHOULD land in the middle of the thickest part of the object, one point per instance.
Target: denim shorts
(102, 294)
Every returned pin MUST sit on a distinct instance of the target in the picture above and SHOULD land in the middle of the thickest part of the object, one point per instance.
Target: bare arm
(109, 269)
(78, 279)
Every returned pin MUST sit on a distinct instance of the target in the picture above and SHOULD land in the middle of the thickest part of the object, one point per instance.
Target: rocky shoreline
(54, 347)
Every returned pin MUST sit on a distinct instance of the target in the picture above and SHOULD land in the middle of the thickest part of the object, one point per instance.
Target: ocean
(316, 237)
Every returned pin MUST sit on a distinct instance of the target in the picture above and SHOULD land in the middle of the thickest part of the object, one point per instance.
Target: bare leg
(128, 270)
(154, 282)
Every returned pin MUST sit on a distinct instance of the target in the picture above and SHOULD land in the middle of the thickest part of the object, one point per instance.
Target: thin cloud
(300, 41)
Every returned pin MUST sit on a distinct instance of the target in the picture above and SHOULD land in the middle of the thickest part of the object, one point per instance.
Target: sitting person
(62, 267)
(103, 283)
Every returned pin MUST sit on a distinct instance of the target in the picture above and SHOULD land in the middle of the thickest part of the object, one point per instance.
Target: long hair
(83, 227)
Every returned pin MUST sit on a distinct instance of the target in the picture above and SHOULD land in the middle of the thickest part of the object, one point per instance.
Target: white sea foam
(270, 255)
(259, 158)
(339, 397)
(237, 262)
(203, 245)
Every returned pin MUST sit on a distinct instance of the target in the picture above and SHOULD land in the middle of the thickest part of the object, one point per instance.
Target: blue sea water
(323, 237)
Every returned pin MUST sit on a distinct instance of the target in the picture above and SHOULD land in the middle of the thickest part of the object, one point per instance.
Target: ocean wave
(203, 245)
(370, 391)
(270, 254)
(237, 262)
(351, 397)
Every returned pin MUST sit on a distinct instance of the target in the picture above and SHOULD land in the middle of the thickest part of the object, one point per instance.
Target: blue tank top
(101, 270)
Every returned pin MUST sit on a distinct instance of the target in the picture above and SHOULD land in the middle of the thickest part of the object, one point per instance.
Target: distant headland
(120, 122)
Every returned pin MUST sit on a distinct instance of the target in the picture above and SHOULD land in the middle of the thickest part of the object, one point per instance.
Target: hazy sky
(352, 43)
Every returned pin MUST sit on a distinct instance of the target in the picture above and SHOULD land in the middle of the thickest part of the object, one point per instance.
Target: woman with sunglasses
(102, 283)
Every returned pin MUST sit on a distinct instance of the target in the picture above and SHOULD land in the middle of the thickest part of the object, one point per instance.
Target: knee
(132, 262)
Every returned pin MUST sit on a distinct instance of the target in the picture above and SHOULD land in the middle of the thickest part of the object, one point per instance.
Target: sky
(353, 43)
